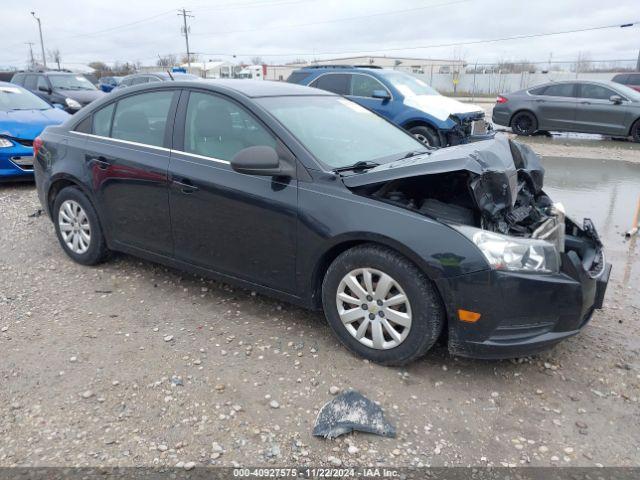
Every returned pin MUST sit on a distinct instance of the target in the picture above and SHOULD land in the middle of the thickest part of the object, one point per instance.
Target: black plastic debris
(35, 214)
(348, 412)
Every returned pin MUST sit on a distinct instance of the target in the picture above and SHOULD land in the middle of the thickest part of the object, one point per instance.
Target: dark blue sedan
(23, 116)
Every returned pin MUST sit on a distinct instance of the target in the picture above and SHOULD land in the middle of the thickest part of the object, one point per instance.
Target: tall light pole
(185, 14)
(44, 58)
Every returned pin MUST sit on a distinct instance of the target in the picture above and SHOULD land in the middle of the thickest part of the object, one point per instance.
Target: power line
(440, 45)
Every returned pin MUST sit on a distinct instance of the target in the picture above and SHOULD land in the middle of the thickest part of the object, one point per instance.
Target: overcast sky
(282, 30)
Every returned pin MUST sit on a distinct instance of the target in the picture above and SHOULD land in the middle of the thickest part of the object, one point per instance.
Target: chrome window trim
(163, 149)
(127, 142)
(204, 157)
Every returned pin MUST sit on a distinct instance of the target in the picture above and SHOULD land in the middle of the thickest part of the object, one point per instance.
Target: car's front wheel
(77, 227)
(524, 123)
(426, 135)
(381, 306)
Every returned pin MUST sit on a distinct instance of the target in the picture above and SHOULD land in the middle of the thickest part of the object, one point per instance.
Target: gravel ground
(131, 363)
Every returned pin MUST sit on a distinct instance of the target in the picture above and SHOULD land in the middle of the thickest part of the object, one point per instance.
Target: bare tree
(54, 56)
(257, 61)
(583, 63)
(168, 60)
(193, 56)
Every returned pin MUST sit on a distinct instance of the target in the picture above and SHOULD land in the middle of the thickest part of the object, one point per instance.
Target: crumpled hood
(440, 106)
(493, 166)
(27, 124)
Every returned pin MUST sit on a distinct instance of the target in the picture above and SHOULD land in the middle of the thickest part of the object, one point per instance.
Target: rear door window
(633, 79)
(333, 82)
(560, 90)
(42, 82)
(364, 86)
(595, 92)
(102, 121)
(142, 118)
(30, 82)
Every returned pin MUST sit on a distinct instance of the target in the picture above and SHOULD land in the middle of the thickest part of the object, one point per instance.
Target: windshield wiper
(362, 165)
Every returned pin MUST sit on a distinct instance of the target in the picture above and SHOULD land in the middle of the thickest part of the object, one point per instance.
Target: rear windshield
(296, 77)
(13, 97)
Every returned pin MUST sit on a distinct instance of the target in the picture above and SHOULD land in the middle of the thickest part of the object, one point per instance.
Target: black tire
(427, 311)
(97, 250)
(635, 131)
(426, 135)
(524, 123)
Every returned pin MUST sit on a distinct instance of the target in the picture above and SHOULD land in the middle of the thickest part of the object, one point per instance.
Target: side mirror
(44, 89)
(261, 160)
(616, 99)
(381, 94)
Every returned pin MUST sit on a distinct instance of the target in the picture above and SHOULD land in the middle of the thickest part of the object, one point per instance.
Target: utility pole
(32, 62)
(185, 28)
(638, 64)
(44, 58)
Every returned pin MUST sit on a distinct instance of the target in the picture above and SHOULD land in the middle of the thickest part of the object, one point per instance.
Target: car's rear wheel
(381, 306)
(635, 131)
(524, 123)
(77, 227)
(426, 135)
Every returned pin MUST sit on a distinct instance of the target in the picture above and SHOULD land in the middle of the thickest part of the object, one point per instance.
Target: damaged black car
(310, 198)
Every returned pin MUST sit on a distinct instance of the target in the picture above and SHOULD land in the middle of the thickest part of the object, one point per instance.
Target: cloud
(281, 30)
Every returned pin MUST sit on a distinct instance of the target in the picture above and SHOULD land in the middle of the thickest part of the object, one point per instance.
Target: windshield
(17, 98)
(71, 82)
(339, 132)
(407, 85)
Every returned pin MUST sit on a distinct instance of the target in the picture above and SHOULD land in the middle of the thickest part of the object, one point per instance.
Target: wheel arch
(347, 242)
(521, 110)
(635, 123)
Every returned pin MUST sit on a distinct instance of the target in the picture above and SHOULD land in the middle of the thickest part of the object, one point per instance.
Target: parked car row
(606, 108)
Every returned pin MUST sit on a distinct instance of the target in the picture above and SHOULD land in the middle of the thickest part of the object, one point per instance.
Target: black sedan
(605, 108)
(306, 196)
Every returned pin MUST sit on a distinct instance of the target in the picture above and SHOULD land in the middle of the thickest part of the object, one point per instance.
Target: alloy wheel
(74, 226)
(374, 308)
(422, 138)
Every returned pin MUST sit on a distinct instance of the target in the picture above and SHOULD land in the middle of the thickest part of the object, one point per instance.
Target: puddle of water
(607, 192)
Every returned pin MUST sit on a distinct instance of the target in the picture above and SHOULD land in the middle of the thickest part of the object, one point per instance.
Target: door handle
(185, 185)
(540, 100)
(101, 162)
(585, 103)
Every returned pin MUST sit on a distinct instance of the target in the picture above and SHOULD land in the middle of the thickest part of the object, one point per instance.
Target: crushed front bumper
(521, 313)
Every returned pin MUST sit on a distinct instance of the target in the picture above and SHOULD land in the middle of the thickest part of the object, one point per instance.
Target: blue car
(106, 84)
(23, 116)
(403, 99)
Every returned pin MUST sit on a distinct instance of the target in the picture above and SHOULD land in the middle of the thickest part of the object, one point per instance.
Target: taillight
(501, 99)
(37, 143)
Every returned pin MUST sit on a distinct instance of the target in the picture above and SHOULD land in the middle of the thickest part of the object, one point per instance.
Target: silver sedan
(606, 108)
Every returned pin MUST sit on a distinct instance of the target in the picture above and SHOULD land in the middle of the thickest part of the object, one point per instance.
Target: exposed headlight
(512, 253)
(4, 143)
(71, 103)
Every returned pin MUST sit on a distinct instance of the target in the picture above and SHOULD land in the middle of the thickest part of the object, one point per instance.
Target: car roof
(264, 88)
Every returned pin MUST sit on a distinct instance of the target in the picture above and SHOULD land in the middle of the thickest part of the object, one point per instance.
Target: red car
(631, 80)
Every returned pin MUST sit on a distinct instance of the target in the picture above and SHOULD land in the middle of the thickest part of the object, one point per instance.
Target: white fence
(494, 83)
